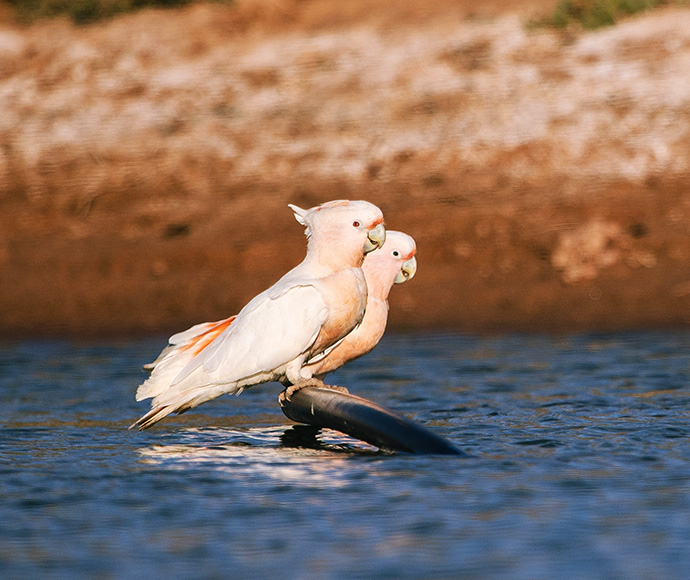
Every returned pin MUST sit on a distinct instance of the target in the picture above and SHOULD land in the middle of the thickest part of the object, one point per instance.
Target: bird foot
(313, 382)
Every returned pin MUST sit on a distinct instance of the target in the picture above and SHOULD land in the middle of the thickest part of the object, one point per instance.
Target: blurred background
(538, 151)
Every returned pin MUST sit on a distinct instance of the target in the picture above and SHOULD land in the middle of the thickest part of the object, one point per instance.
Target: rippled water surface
(580, 469)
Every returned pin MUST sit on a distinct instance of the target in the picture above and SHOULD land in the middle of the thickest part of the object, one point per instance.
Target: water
(581, 467)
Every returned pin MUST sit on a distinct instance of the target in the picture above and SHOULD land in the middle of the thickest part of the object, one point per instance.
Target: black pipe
(363, 419)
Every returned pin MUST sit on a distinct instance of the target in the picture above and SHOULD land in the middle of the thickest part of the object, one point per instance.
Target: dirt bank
(146, 162)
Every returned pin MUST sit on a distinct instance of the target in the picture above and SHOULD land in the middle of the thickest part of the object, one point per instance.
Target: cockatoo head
(395, 263)
(342, 232)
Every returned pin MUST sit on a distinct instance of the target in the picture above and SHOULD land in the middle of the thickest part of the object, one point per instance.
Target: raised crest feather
(300, 214)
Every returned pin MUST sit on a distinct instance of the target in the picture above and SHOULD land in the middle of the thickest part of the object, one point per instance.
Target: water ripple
(581, 467)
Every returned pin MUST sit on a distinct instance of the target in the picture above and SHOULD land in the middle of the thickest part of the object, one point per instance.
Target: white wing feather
(266, 335)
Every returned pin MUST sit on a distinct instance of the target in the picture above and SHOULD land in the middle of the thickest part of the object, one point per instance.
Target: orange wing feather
(200, 342)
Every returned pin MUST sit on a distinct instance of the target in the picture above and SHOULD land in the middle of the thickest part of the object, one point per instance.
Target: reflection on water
(581, 467)
(298, 454)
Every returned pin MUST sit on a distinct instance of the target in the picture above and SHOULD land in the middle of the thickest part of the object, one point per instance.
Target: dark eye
(355, 224)
(396, 253)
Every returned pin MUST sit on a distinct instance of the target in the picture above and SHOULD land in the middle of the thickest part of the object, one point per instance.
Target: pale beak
(375, 238)
(407, 272)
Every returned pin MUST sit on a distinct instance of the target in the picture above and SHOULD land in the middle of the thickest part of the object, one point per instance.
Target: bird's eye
(355, 224)
(396, 253)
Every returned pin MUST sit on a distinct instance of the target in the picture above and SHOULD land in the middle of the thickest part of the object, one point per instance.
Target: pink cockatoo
(308, 311)
(394, 263)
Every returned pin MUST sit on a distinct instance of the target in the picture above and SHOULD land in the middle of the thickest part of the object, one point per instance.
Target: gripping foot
(313, 382)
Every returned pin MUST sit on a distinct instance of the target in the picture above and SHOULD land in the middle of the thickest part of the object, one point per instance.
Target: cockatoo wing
(190, 342)
(194, 332)
(255, 347)
(266, 335)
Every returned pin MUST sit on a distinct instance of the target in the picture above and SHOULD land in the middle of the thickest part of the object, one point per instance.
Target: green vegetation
(592, 14)
(84, 11)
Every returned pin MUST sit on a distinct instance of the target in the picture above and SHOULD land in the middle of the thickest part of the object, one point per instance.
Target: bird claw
(292, 389)
(313, 382)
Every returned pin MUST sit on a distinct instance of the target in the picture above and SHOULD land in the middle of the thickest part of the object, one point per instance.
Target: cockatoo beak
(407, 272)
(375, 238)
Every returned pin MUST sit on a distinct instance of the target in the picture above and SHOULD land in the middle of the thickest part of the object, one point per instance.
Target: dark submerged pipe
(365, 420)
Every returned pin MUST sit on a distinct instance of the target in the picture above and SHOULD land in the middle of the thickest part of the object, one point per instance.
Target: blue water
(581, 467)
